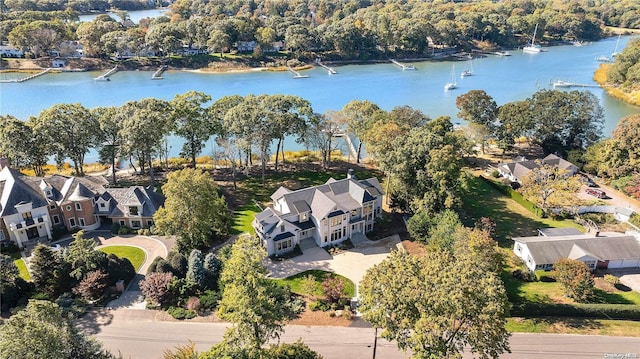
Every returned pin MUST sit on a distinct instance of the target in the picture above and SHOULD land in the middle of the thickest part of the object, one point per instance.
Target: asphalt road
(137, 335)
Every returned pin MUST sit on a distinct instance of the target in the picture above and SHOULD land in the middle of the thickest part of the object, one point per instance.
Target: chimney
(4, 162)
(350, 174)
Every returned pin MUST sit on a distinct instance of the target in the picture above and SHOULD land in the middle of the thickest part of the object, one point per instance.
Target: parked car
(596, 192)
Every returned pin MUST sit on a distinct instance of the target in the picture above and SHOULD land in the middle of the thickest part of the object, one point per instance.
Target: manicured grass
(22, 267)
(574, 326)
(134, 254)
(295, 283)
(242, 218)
(512, 220)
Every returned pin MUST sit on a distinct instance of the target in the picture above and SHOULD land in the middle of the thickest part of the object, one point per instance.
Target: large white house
(596, 250)
(329, 213)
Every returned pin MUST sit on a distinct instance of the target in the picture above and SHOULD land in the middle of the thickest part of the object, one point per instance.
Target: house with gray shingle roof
(519, 169)
(328, 214)
(30, 207)
(596, 250)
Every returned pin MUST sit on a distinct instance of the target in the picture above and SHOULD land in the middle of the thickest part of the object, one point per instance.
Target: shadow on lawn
(485, 202)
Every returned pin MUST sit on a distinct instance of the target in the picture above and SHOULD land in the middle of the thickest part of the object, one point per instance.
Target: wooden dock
(158, 74)
(567, 84)
(296, 74)
(330, 70)
(45, 71)
(403, 66)
(105, 76)
(347, 139)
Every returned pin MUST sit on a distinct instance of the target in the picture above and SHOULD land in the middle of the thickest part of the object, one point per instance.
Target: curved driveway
(152, 247)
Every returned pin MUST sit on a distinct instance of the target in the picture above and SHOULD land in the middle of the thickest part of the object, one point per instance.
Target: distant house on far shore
(516, 171)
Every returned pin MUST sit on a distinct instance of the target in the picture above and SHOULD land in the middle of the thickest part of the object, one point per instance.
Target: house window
(48, 193)
(27, 216)
(149, 223)
(135, 224)
(367, 212)
(282, 228)
(303, 217)
(519, 248)
(284, 244)
(56, 220)
(335, 221)
(68, 208)
(337, 234)
(122, 222)
(72, 222)
(1, 235)
(325, 238)
(78, 207)
(354, 213)
(53, 206)
(102, 205)
(133, 210)
(81, 221)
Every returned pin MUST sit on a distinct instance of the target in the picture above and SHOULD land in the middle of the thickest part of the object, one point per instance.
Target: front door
(32, 233)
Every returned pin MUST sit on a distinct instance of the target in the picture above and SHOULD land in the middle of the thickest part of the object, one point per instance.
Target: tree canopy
(194, 210)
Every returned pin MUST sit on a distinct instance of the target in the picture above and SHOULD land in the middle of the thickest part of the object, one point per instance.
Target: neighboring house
(596, 250)
(516, 171)
(9, 51)
(246, 46)
(58, 63)
(329, 214)
(31, 206)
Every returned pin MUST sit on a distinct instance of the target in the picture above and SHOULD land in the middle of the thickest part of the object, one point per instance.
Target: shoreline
(600, 77)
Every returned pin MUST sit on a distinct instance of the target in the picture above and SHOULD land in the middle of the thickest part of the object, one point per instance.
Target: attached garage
(624, 263)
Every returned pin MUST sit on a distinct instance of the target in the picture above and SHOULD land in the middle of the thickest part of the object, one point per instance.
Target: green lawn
(242, 218)
(22, 267)
(574, 326)
(295, 283)
(512, 220)
(134, 254)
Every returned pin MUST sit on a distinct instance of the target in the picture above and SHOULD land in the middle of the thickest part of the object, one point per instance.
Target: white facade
(28, 223)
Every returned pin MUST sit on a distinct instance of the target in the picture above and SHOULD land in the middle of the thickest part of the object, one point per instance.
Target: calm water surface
(506, 79)
(135, 16)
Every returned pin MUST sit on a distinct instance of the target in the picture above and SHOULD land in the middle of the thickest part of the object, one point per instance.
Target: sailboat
(604, 58)
(469, 70)
(615, 50)
(451, 85)
(532, 48)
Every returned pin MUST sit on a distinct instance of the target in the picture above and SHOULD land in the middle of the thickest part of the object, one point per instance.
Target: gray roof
(520, 169)
(554, 232)
(282, 236)
(613, 246)
(13, 191)
(135, 196)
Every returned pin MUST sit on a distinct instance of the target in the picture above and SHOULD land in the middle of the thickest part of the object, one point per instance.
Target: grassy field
(583, 326)
(22, 267)
(242, 218)
(295, 283)
(512, 220)
(134, 254)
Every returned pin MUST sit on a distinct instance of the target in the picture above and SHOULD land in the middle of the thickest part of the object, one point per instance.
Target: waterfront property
(328, 214)
(596, 250)
(519, 169)
(31, 207)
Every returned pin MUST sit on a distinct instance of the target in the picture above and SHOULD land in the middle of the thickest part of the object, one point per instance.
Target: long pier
(403, 66)
(296, 74)
(45, 71)
(330, 70)
(106, 75)
(158, 74)
(352, 148)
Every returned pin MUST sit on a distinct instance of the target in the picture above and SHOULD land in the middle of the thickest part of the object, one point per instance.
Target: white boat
(452, 84)
(298, 76)
(578, 43)
(101, 78)
(469, 70)
(409, 67)
(532, 48)
(503, 53)
(561, 83)
(603, 58)
(615, 50)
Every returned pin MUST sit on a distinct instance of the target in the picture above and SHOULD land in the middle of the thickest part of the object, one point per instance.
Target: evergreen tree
(195, 272)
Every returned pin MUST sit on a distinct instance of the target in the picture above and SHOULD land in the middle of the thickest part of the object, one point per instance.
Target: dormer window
(133, 210)
(49, 194)
(303, 217)
(282, 228)
(102, 205)
(78, 207)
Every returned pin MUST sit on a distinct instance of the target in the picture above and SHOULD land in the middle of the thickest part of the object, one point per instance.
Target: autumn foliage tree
(333, 288)
(575, 278)
(93, 285)
(155, 287)
(549, 185)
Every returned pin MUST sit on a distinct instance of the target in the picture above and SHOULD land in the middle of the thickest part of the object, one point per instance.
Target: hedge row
(515, 195)
(602, 311)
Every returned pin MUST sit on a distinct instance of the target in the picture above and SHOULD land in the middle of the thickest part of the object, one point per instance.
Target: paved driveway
(629, 277)
(352, 263)
(151, 247)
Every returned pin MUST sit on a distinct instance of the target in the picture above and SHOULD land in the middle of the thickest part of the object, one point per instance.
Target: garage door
(615, 264)
(630, 263)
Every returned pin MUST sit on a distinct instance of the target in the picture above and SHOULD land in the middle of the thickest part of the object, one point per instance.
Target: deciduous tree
(93, 285)
(194, 211)
(476, 106)
(41, 330)
(548, 185)
(155, 287)
(575, 278)
(193, 122)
